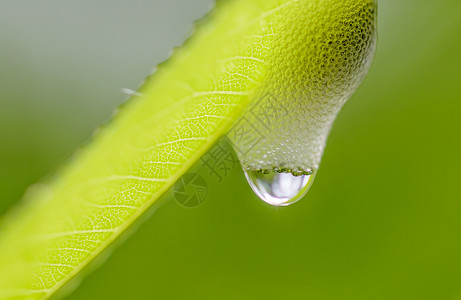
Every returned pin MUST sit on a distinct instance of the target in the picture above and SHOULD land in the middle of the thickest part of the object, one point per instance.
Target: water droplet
(279, 189)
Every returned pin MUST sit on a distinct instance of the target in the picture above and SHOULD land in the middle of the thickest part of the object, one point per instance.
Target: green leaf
(192, 100)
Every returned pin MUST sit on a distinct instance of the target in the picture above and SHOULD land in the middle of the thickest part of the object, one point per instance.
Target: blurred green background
(382, 220)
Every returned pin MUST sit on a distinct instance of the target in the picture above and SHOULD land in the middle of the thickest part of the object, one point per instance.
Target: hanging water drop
(283, 131)
(279, 189)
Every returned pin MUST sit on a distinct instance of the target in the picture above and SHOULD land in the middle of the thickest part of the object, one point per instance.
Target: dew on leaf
(279, 189)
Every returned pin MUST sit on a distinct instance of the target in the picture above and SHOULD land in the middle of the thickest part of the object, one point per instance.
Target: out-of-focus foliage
(381, 221)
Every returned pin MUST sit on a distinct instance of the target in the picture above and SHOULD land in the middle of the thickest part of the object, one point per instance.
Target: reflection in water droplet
(279, 189)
